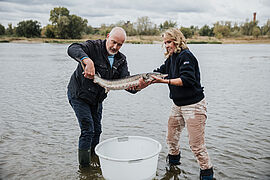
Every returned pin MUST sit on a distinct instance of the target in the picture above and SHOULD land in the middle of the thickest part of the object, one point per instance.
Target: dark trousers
(89, 118)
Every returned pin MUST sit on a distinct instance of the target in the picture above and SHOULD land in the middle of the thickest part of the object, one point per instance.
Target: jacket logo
(186, 62)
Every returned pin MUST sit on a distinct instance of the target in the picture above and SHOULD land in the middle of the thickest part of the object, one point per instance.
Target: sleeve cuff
(84, 58)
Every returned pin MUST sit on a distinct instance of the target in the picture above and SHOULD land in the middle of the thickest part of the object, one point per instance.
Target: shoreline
(142, 40)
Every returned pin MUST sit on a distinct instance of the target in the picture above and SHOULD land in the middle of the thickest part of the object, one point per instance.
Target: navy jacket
(183, 65)
(85, 88)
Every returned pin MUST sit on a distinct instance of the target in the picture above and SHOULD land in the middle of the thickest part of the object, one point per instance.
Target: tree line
(66, 26)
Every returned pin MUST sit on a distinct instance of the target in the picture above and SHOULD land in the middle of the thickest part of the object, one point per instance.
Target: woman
(189, 106)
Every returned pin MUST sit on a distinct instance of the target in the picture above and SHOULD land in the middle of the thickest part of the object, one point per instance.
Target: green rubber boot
(84, 157)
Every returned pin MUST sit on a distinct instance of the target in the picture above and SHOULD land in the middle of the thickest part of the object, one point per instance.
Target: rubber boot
(84, 157)
(172, 162)
(173, 159)
(207, 174)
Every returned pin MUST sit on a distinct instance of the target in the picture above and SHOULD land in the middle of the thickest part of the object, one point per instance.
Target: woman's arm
(174, 82)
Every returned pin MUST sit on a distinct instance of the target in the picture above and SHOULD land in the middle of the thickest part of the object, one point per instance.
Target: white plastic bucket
(128, 158)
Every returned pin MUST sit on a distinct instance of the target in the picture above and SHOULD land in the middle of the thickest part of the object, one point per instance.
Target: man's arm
(80, 52)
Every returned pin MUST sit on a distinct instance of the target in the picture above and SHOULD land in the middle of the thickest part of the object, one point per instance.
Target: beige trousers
(194, 116)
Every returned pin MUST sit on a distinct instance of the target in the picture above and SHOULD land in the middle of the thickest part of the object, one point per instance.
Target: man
(85, 97)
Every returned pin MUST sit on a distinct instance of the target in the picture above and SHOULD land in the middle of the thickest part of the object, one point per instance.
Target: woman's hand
(159, 80)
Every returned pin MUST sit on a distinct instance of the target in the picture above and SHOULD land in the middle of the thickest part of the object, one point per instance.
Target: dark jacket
(183, 65)
(85, 88)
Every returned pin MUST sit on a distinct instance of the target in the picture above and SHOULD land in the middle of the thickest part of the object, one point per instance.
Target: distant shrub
(2, 29)
(186, 32)
(28, 29)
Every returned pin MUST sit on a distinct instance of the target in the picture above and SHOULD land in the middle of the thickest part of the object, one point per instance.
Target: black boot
(84, 157)
(207, 174)
(173, 159)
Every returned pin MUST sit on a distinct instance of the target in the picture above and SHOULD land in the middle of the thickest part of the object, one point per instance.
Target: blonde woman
(189, 106)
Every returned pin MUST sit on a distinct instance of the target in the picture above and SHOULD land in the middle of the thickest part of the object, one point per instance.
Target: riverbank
(143, 40)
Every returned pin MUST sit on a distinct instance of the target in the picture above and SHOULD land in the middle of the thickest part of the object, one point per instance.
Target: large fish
(126, 82)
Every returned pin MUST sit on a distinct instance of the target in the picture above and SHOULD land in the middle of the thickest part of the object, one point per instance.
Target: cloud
(97, 12)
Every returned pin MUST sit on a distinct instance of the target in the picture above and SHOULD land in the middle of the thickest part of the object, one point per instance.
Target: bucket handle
(135, 161)
(122, 139)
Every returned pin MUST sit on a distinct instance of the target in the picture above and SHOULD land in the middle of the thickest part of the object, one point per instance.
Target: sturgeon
(126, 82)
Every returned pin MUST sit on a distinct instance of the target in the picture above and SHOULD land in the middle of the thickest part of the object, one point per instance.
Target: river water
(39, 131)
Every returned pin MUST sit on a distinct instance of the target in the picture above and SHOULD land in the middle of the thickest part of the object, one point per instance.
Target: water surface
(39, 131)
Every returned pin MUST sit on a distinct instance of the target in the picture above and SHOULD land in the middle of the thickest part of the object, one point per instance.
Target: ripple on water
(39, 131)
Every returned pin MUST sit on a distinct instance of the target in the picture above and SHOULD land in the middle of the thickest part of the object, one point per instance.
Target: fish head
(148, 76)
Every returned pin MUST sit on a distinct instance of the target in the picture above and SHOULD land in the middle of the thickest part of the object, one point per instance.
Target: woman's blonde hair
(178, 38)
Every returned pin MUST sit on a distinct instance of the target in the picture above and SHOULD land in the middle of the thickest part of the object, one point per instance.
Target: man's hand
(143, 84)
(89, 70)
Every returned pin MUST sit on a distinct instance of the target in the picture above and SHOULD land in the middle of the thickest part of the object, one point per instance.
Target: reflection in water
(95, 161)
(172, 173)
(90, 173)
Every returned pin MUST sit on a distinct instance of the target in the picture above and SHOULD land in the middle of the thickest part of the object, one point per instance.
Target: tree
(145, 27)
(206, 31)
(50, 31)
(235, 31)
(194, 30)
(62, 27)
(256, 32)
(65, 25)
(266, 28)
(167, 25)
(247, 27)
(235, 28)
(58, 12)
(77, 26)
(90, 30)
(28, 28)
(221, 30)
(186, 32)
(10, 30)
(128, 27)
(2, 29)
(104, 30)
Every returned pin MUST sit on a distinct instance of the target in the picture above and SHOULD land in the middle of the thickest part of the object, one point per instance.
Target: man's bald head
(118, 31)
(115, 40)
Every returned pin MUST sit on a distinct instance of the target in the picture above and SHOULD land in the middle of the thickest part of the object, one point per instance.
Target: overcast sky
(97, 12)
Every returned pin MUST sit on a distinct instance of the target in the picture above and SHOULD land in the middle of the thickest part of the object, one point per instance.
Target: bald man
(85, 96)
